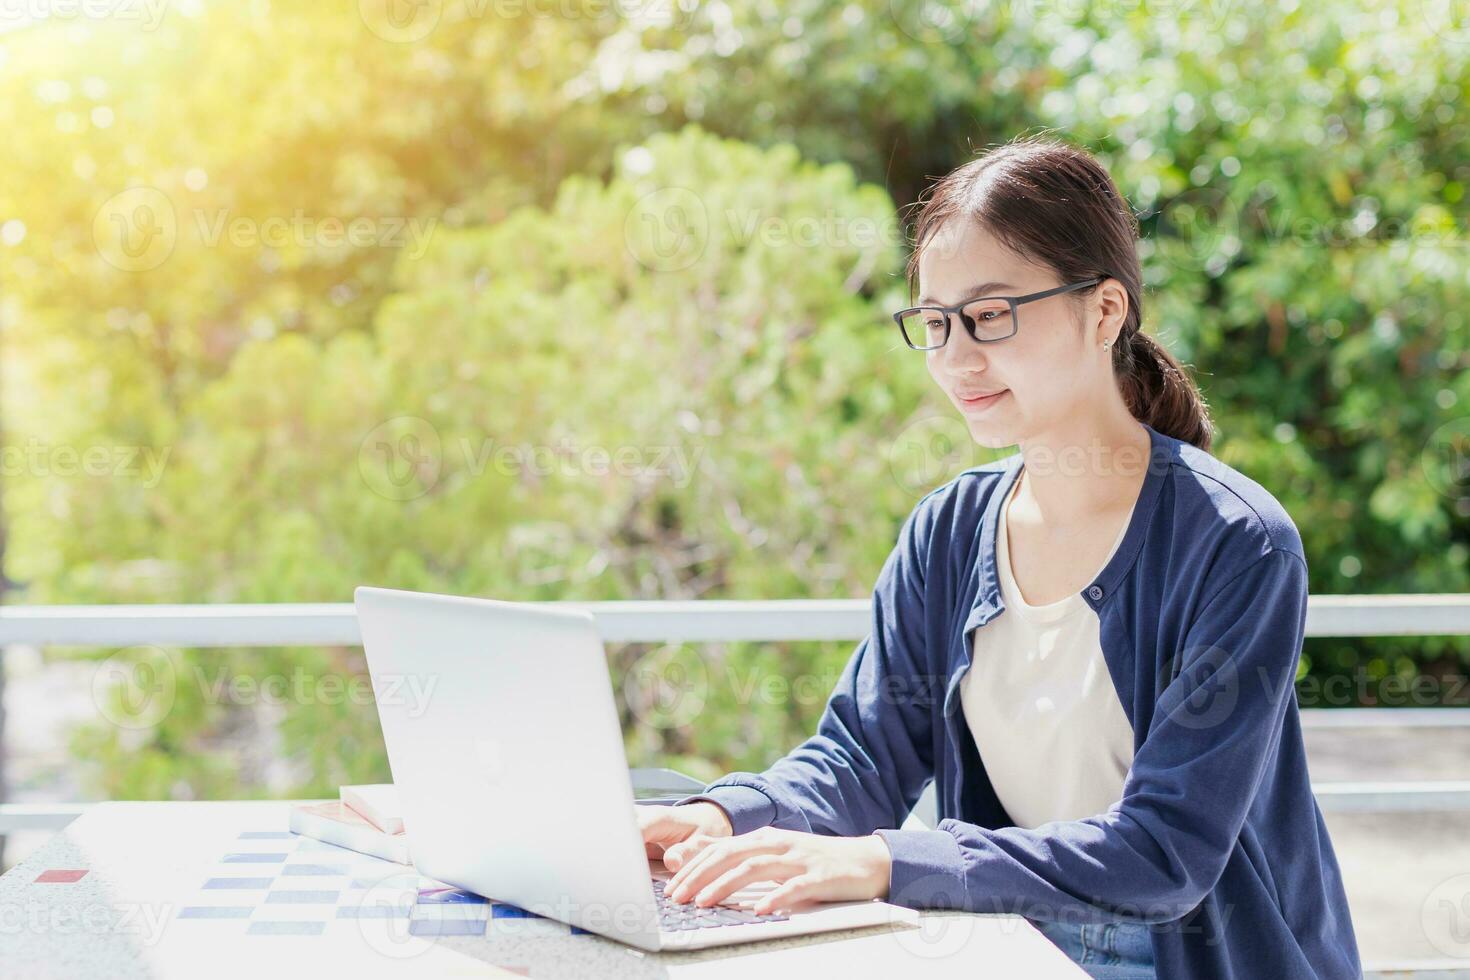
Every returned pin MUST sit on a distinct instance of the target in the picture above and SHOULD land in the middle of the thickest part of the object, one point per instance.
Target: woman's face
(1036, 380)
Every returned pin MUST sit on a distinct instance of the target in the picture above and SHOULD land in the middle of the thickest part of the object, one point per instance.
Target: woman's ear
(1110, 305)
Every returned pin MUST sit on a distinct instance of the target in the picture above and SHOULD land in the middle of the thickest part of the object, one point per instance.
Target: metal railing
(327, 624)
(291, 624)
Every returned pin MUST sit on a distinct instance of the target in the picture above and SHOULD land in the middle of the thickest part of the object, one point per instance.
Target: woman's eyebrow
(970, 293)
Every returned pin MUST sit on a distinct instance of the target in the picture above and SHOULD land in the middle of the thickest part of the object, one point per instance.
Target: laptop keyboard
(674, 916)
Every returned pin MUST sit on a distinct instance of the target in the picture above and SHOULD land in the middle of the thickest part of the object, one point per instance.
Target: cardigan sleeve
(873, 750)
(1157, 852)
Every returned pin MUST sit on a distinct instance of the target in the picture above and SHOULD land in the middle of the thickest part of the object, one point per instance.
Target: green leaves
(587, 308)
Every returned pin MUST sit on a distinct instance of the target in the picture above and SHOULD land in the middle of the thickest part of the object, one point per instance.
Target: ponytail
(1159, 391)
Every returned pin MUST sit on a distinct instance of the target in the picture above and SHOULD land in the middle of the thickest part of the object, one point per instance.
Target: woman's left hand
(810, 867)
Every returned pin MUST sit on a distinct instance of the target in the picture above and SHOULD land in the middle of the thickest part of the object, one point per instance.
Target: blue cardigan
(1217, 841)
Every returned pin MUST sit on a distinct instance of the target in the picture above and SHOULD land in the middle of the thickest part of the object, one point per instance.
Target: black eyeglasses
(986, 318)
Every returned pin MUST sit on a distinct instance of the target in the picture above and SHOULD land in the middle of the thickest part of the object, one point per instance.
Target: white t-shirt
(1041, 704)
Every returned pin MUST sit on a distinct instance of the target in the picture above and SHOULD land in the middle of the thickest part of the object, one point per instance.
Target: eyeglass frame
(969, 322)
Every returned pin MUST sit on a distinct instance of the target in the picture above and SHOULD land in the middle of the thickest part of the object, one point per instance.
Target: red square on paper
(60, 876)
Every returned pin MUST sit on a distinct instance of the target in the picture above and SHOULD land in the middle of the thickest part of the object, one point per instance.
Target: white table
(190, 890)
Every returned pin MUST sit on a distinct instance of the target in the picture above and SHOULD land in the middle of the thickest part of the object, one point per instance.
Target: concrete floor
(1400, 869)
(1407, 874)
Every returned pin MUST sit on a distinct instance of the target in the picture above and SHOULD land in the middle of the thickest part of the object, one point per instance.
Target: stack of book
(365, 818)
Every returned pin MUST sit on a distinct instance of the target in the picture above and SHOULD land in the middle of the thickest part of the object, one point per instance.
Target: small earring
(1107, 343)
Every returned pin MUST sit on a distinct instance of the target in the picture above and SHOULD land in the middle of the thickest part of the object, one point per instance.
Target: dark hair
(1054, 204)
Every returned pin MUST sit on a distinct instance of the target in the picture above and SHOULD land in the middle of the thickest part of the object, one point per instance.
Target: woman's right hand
(665, 826)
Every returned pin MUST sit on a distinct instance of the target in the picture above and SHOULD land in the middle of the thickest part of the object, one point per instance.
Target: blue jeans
(1105, 950)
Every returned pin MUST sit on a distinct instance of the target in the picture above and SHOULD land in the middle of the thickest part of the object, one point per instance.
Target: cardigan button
(1095, 592)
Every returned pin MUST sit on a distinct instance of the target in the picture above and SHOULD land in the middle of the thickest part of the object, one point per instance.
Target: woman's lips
(984, 401)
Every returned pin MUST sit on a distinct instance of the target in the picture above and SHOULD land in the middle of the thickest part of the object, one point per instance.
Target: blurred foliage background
(486, 299)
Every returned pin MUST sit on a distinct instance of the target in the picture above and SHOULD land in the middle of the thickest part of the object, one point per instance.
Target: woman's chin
(991, 435)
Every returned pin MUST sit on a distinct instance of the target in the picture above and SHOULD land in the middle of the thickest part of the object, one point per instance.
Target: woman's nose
(960, 348)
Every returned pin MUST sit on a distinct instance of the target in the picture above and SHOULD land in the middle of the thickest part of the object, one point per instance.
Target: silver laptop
(504, 743)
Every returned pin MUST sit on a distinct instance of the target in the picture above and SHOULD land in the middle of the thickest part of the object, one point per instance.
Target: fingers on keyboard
(676, 916)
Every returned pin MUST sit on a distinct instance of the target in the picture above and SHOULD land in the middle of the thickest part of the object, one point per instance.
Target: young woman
(1089, 646)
